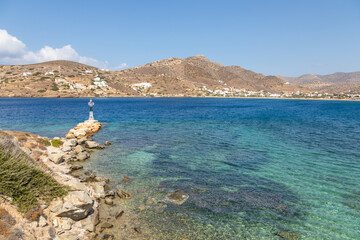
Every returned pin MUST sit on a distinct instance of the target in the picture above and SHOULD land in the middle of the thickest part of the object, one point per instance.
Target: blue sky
(277, 37)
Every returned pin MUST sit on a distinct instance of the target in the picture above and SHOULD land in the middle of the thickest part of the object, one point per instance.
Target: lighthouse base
(91, 115)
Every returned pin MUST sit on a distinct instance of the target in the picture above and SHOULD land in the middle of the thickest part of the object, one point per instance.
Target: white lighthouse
(91, 114)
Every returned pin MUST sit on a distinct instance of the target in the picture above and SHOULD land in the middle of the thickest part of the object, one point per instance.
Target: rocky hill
(336, 82)
(193, 76)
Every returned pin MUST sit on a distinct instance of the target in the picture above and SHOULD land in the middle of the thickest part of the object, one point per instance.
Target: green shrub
(22, 179)
(41, 90)
(56, 143)
(54, 87)
(45, 142)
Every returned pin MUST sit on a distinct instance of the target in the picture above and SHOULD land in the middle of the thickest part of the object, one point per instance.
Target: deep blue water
(252, 167)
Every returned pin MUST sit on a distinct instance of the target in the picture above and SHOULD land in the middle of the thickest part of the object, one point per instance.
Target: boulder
(56, 157)
(77, 205)
(101, 179)
(82, 140)
(67, 147)
(83, 156)
(107, 143)
(91, 144)
(75, 167)
(99, 190)
(78, 149)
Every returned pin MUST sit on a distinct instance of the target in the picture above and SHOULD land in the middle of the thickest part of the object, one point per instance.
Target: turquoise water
(251, 167)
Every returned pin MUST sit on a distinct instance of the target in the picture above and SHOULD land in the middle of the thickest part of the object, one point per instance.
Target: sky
(274, 37)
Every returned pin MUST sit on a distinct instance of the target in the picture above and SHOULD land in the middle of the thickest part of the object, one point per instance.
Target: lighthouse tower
(91, 114)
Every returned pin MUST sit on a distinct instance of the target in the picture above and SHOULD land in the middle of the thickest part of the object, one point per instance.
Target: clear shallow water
(251, 167)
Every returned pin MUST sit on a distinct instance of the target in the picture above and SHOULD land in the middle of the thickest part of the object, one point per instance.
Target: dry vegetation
(22, 179)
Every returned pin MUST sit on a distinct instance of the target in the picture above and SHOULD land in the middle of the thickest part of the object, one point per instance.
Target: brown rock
(105, 225)
(109, 201)
(107, 143)
(122, 194)
(119, 214)
(126, 179)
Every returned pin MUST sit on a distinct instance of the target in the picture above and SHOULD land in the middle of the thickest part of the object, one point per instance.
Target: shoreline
(177, 97)
(85, 211)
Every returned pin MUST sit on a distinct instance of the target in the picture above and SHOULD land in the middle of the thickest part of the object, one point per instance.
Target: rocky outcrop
(84, 130)
(76, 215)
(77, 205)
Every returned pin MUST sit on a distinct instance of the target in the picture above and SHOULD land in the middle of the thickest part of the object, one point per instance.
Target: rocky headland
(76, 215)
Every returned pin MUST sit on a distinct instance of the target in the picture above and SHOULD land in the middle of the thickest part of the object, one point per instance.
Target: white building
(101, 84)
(26, 74)
(97, 79)
(49, 73)
(88, 71)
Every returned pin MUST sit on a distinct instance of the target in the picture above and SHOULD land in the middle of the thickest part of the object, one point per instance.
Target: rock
(77, 205)
(126, 179)
(75, 167)
(71, 142)
(107, 143)
(83, 156)
(34, 224)
(123, 194)
(137, 230)
(58, 204)
(55, 223)
(82, 140)
(99, 191)
(109, 201)
(78, 149)
(66, 224)
(178, 197)
(289, 235)
(105, 225)
(91, 144)
(42, 221)
(119, 214)
(110, 194)
(56, 157)
(108, 237)
(101, 179)
(88, 224)
(66, 147)
(68, 156)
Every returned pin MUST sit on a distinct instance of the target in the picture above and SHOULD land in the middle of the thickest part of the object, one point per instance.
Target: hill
(193, 76)
(336, 82)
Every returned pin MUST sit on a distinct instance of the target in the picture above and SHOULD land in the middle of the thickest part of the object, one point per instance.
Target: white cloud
(121, 66)
(13, 51)
(10, 46)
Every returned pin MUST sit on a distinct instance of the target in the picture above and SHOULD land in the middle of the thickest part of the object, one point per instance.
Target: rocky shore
(76, 216)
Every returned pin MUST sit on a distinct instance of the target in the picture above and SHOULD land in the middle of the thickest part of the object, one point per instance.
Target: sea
(252, 168)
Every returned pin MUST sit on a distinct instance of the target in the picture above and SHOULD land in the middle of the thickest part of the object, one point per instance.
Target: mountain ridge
(180, 77)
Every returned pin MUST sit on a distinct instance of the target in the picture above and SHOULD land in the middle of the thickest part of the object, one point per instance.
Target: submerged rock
(105, 225)
(122, 194)
(126, 179)
(107, 143)
(178, 197)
